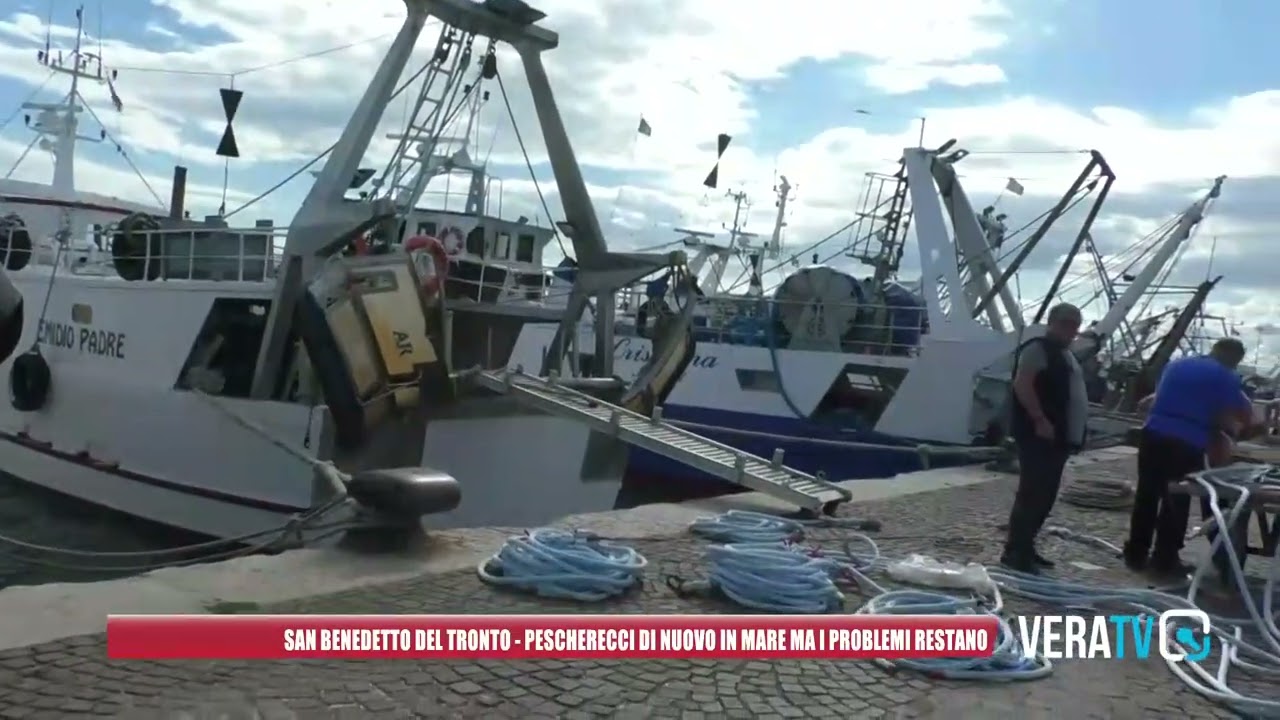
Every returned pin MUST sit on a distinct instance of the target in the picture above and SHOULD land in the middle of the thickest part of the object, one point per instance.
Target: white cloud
(686, 66)
(904, 78)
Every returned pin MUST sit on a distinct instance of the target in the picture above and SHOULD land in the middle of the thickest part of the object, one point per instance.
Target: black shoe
(1043, 561)
(1168, 566)
(1134, 560)
(1020, 563)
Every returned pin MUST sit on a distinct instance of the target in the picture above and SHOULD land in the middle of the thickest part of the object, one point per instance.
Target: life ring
(15, 242)
(29, 382)
(135, 247)
(430, 260)
(453, 241)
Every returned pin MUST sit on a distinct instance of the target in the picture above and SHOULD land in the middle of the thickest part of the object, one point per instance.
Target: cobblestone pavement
(72, 678)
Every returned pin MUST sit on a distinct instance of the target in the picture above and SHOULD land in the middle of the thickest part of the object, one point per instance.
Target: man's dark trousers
(1161, 460)
(1040, 466)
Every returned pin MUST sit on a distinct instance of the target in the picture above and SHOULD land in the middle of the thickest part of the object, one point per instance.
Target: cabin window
(525, 245)
(758, 380)
(475, 242)
(502, 246)
(223, 358)
(427, 228)
(82, 314)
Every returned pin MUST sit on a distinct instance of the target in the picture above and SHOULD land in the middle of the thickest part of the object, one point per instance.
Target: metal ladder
(407, 172)
(653, 434)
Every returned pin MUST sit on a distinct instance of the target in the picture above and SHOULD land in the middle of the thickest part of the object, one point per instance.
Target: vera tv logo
(1181, 635)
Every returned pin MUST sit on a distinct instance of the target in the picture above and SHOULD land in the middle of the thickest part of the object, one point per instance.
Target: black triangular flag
(230, 104)
(713, 177)
(227, 147)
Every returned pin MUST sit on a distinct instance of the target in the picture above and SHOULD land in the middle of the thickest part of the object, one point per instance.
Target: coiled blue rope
(742, 526)
(564, 564)
(775, 577)
(1006, 664)
(759, 570)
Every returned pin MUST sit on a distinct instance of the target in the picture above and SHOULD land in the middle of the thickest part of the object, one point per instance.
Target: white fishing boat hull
(117, 432)
(761, 401)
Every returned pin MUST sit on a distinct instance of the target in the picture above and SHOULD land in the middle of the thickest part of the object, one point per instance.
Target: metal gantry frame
(324, 222)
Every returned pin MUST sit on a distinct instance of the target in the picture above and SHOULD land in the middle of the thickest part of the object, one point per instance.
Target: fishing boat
(851, 378)
(33, 214)
(228, 380)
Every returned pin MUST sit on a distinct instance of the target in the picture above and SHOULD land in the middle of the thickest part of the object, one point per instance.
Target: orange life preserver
(452, 240)
(361, 244)
(422, 248)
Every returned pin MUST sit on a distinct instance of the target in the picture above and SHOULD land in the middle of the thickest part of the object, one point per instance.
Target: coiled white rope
(564, 564)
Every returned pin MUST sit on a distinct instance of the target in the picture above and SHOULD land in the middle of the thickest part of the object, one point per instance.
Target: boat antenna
(48, 32)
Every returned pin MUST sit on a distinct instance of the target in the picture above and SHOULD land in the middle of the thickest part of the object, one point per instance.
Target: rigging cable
(256, 68)
(291, 176)
(30, 96)
(529, 164)
(18, 111)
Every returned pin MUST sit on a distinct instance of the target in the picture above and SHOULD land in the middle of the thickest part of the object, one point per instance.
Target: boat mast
(1090, 342)
(58, 122)
(783, 190)
(740, 240)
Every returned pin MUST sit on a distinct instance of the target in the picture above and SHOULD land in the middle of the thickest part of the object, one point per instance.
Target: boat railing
(471, 278)
(887, 328)
(217, 254)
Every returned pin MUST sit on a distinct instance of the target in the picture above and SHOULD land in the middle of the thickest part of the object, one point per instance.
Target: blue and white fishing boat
(845, 376)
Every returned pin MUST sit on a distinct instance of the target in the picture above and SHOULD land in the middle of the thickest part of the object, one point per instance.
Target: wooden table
(1264, 504)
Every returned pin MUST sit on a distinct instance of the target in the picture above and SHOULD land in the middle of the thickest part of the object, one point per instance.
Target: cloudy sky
(1173, 93)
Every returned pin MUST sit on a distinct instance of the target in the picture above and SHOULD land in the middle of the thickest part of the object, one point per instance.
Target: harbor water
(40, 517)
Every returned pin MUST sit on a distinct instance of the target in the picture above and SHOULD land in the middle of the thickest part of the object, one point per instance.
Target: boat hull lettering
(628, 350)
(85, 340)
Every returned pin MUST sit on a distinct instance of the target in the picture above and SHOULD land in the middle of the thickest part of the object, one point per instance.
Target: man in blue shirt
(1197, 399)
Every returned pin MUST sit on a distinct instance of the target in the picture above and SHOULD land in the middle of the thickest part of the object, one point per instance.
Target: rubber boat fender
(29, 381)
(15, 242)
(11, 317)
(136, 247)
(371, 336)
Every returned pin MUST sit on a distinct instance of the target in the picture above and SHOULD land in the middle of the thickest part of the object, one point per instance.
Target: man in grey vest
(1050, 410)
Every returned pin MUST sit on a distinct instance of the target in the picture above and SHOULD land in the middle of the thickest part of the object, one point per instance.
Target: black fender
(30, 381)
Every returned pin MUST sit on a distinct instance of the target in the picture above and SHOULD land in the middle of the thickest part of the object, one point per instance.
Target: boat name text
(86, 340)
(631, 351)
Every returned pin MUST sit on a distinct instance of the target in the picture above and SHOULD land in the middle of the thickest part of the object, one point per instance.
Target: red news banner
(564, 637)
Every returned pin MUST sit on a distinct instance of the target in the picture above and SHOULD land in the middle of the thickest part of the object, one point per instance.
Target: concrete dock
(52, 657)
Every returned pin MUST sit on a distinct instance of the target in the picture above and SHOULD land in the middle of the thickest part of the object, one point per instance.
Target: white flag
(1014, 187)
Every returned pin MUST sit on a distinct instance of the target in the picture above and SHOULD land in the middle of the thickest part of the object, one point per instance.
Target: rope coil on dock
(742, 526)
(1008, 663)
(1098, 494)
(564, 564)
(782, 577)
(775, 577)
